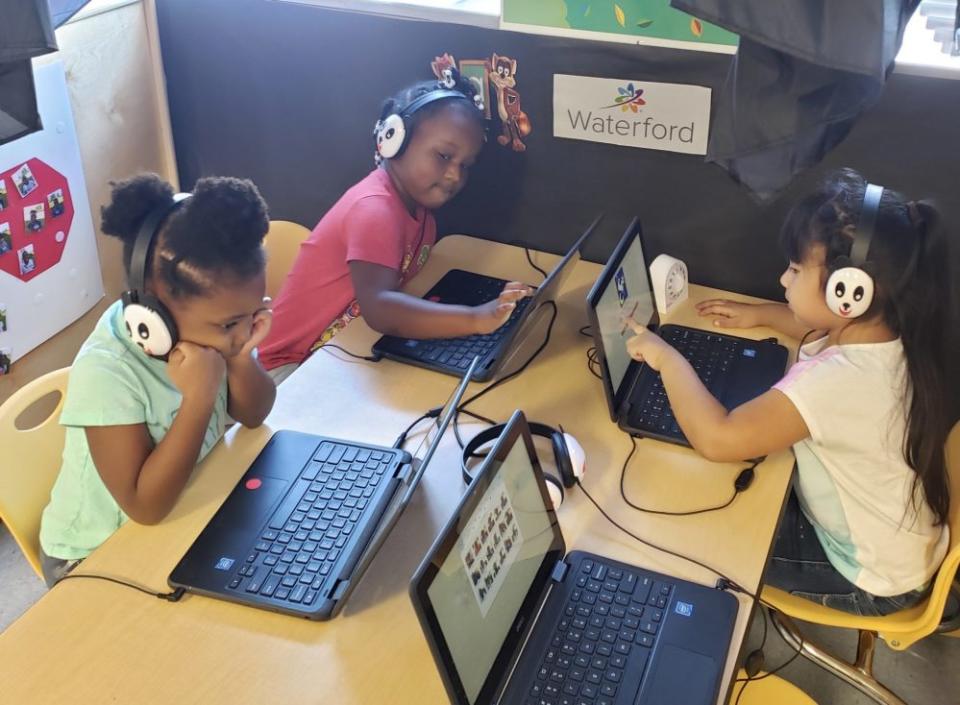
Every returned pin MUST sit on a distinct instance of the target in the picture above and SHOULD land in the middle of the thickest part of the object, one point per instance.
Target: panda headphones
(849, 290)
(392, 131)
(149, 323)
(567, 452)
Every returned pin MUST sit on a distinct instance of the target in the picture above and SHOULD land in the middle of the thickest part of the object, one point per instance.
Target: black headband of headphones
(145, 237)
(863, 235)
(493, 433)
(430, 97)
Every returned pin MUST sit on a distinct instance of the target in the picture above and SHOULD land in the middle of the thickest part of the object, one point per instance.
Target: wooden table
(93, 642)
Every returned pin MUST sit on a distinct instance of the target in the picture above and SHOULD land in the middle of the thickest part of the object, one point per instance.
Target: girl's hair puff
(216, 234)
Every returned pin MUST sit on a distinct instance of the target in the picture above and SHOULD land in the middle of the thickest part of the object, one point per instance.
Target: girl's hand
(262, 320)
(196, 371)
(493, 314)
(730, 314)
(646, 346)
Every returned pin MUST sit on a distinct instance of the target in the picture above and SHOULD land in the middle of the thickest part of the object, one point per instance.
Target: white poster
(49, 268)
(665, 116)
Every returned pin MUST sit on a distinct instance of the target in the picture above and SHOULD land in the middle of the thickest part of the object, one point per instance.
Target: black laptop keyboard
(458, 353)
(603, 642)
(307, 533)
(711, 357)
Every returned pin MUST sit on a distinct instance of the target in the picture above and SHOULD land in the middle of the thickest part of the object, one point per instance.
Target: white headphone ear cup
(390, 136)
(555, 490)
(849, 292)
(147, 329)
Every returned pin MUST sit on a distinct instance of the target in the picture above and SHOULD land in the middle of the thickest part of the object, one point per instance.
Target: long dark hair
(908, 263)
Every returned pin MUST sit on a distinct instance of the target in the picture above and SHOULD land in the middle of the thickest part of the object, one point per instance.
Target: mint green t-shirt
(112, 383)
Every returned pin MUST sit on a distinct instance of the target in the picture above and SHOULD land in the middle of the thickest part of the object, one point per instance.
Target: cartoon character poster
(490, 544)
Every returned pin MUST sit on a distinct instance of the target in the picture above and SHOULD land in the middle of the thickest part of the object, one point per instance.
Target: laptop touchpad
(250, 503)
(681, 676)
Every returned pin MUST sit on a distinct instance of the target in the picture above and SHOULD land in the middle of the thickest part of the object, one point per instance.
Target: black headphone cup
(561, 456)
(558, 444)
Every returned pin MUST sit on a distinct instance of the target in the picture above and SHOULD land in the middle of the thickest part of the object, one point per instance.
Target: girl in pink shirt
(379, 235)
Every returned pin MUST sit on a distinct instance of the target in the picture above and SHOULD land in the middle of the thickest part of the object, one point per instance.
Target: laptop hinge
(559, 571)
(406, 470)
(339, 588)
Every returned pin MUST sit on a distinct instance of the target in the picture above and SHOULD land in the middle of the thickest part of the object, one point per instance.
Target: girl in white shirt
(865, 408)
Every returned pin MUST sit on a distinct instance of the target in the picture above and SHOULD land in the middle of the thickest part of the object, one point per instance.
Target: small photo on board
(6, 239)
(28, 260)
(475, 71)
(3, 318)
(4, 196)
(24, 179)
(6, 358)
(55, 201)
(33, 217)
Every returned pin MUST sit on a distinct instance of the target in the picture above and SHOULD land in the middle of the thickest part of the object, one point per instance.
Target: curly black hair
(216, 234)
(398, 102)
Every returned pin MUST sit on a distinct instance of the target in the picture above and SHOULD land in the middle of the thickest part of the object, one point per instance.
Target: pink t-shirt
(370, 223)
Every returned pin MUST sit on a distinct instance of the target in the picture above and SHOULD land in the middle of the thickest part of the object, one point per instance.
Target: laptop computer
(306, 520)
(510, 617)
(734, 369)
(452, 355)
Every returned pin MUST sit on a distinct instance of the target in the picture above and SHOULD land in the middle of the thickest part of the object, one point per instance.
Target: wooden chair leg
(859, 675)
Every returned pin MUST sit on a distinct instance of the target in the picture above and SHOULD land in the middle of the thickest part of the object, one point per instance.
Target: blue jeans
(800, 566)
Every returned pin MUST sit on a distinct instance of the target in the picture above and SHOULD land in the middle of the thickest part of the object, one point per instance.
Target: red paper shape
(47, 250)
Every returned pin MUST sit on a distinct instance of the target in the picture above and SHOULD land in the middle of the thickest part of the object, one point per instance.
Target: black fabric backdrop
(287, 95)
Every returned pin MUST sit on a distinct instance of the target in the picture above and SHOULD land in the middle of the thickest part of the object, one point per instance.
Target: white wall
(114, 78)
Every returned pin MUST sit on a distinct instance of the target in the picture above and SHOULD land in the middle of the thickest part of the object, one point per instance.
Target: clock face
(676, 282)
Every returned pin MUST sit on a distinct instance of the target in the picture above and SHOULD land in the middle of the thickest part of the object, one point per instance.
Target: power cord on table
(742, 482)
(461, 408)
(368, 358)
(173, 596)
(723, 583)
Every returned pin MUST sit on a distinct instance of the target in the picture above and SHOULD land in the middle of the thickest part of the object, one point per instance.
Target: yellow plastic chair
(31, 461)
(282, 244)
(768, 690)
(899, 630)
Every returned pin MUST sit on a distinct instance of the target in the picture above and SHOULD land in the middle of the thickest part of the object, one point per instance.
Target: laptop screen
(623, 289)
(483, 566)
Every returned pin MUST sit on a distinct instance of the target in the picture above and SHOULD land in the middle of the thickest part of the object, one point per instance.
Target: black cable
(462, 406)
(526, 251)
(593, 362)
(724, 582)
(585, 331)
(402, 438)
(368, 358)
(742, 482)
(173, 596)
(525, 365)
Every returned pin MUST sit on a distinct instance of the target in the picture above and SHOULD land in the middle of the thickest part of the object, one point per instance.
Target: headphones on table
(392, 131)
(149, 324)
(568, 455)
(849, 290)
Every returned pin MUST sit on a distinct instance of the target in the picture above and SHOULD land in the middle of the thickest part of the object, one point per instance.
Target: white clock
(668, 278)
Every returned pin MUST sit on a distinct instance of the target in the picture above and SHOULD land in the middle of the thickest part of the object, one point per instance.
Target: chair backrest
(282, 244)
(936, 603)
(31, 461)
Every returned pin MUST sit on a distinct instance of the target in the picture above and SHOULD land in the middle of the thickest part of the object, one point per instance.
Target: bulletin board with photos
(49, 265)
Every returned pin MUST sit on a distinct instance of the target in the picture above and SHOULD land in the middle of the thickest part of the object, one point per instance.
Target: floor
(927, 674)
